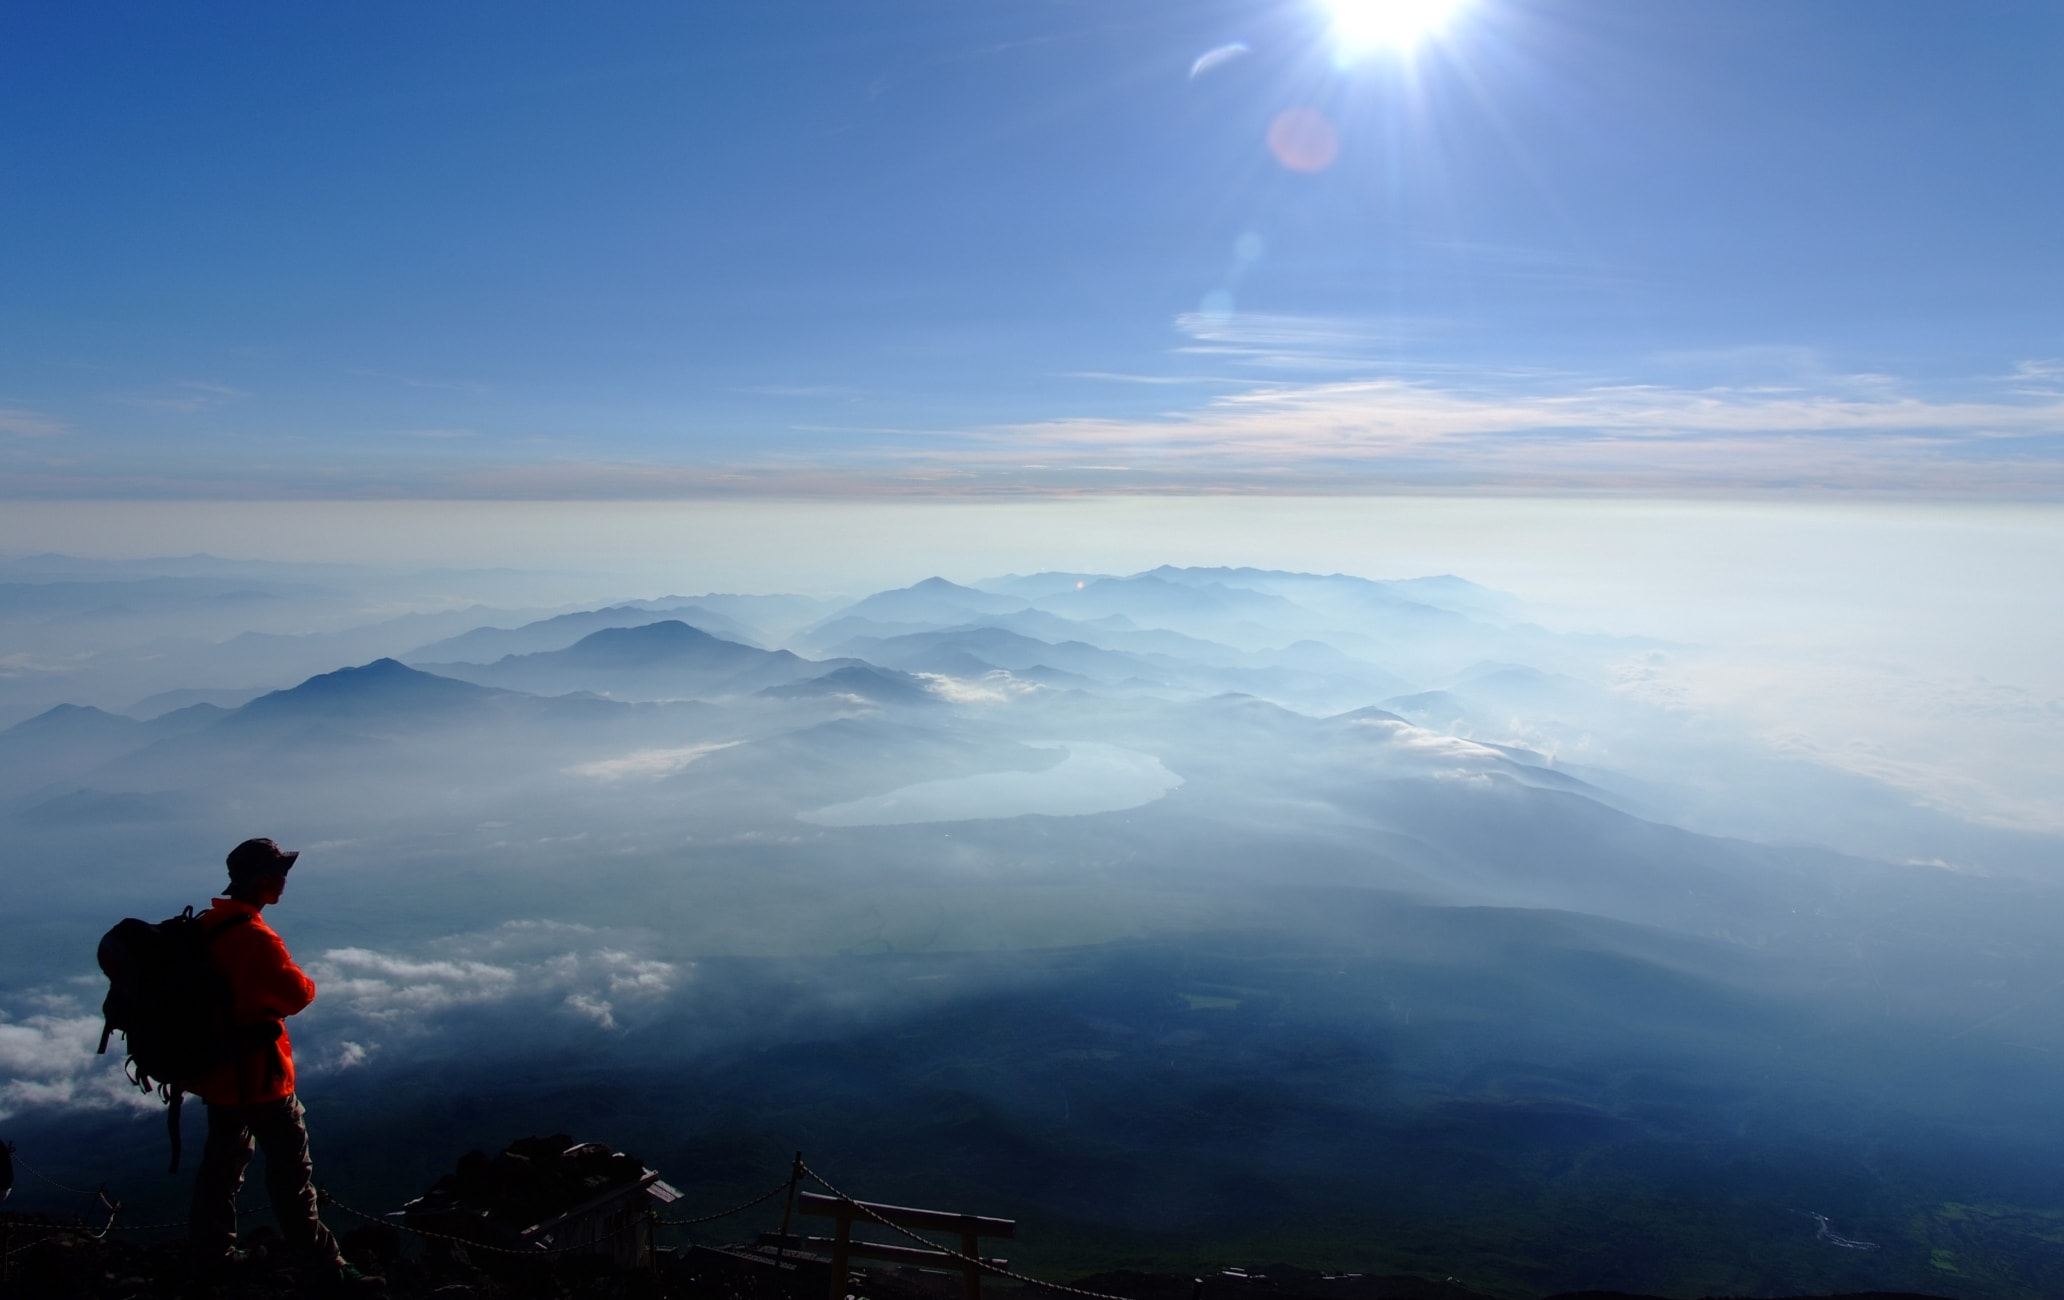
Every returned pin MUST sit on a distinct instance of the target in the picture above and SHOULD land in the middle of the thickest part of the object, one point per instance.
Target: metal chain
(983, 1264)
(62, 1187)
(767, 1195)
(113, 1208)
(58, 1230)
(54, 1232)
(164, 1227)
(112, 1226)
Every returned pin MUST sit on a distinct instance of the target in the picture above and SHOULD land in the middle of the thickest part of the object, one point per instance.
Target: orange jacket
(267, 986)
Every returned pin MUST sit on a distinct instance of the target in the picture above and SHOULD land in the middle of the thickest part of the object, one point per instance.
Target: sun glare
(1362, 25)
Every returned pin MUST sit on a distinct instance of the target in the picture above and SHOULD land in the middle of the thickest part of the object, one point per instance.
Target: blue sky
(871, 248)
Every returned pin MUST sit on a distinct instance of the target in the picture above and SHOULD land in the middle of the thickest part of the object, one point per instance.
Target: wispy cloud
(1326, 408)
(997, 687)
(1167, 381)
(1294, 343)
(22, 423)
(1213, 59)
(187, 396)
(469, 387)
(1868, 435)
(2039, 378)
(646, 764)
(803, 390)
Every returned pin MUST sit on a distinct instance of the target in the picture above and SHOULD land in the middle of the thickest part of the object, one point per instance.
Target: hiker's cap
(254, 856)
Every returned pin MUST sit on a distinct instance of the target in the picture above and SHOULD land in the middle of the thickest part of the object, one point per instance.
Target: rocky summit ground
(67, 1264)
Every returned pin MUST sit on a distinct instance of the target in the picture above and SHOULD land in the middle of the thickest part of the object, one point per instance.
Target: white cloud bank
(364, 998)
(47, 1060)
(579, 968)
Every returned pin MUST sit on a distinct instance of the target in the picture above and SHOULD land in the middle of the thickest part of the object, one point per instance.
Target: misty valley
(1191, 917)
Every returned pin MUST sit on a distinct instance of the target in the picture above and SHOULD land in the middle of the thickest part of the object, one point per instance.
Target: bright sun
(1386, 24)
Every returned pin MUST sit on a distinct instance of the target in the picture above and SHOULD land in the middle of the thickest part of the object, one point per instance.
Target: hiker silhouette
(250, 1096)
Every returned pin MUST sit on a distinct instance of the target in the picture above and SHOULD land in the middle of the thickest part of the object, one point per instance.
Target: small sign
(661, 1192)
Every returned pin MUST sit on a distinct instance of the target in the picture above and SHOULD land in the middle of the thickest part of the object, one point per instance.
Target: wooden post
(839, 1252)
(971, 1246)
(795, 1173)
(968, 1228)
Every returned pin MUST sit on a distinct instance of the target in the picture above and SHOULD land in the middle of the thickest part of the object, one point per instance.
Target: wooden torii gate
(971, 1227)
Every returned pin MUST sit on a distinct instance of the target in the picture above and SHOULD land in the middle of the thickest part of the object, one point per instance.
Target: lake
(1094, 778)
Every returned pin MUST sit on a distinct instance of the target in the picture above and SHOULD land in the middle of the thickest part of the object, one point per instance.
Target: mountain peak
(666, 640)
(667, 631)
(934, 600)
(382, 687)
(71, 719)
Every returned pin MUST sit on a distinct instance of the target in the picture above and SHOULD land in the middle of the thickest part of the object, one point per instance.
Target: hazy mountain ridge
(490, 644)
(663, 659)
(862, 683)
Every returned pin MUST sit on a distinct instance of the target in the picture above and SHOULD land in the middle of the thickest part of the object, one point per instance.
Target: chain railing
(20, 1163)
(768, 1195)
(55, 1230)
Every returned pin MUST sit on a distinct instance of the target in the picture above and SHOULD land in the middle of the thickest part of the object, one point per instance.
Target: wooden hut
(545, 1194)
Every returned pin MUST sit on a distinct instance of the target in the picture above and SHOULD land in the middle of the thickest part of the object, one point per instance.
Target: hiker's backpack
(172, 1006)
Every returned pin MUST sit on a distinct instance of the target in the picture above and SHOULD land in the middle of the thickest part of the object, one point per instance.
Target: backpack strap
(177, 1101)
(213, 932)
(172, 1126)
(208, 937)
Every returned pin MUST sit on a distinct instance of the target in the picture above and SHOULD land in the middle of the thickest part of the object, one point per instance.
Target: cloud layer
(1307, 404)
(366, 997)
(47, 1061)
(1871, 435)
(547, 962)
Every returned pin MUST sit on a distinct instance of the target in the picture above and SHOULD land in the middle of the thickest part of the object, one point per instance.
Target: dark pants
(282, 1134)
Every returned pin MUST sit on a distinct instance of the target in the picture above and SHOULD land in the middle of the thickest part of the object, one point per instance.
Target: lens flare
(1303, 140)
(1361, 25)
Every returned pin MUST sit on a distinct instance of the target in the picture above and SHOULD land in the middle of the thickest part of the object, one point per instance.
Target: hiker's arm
(271, 981)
